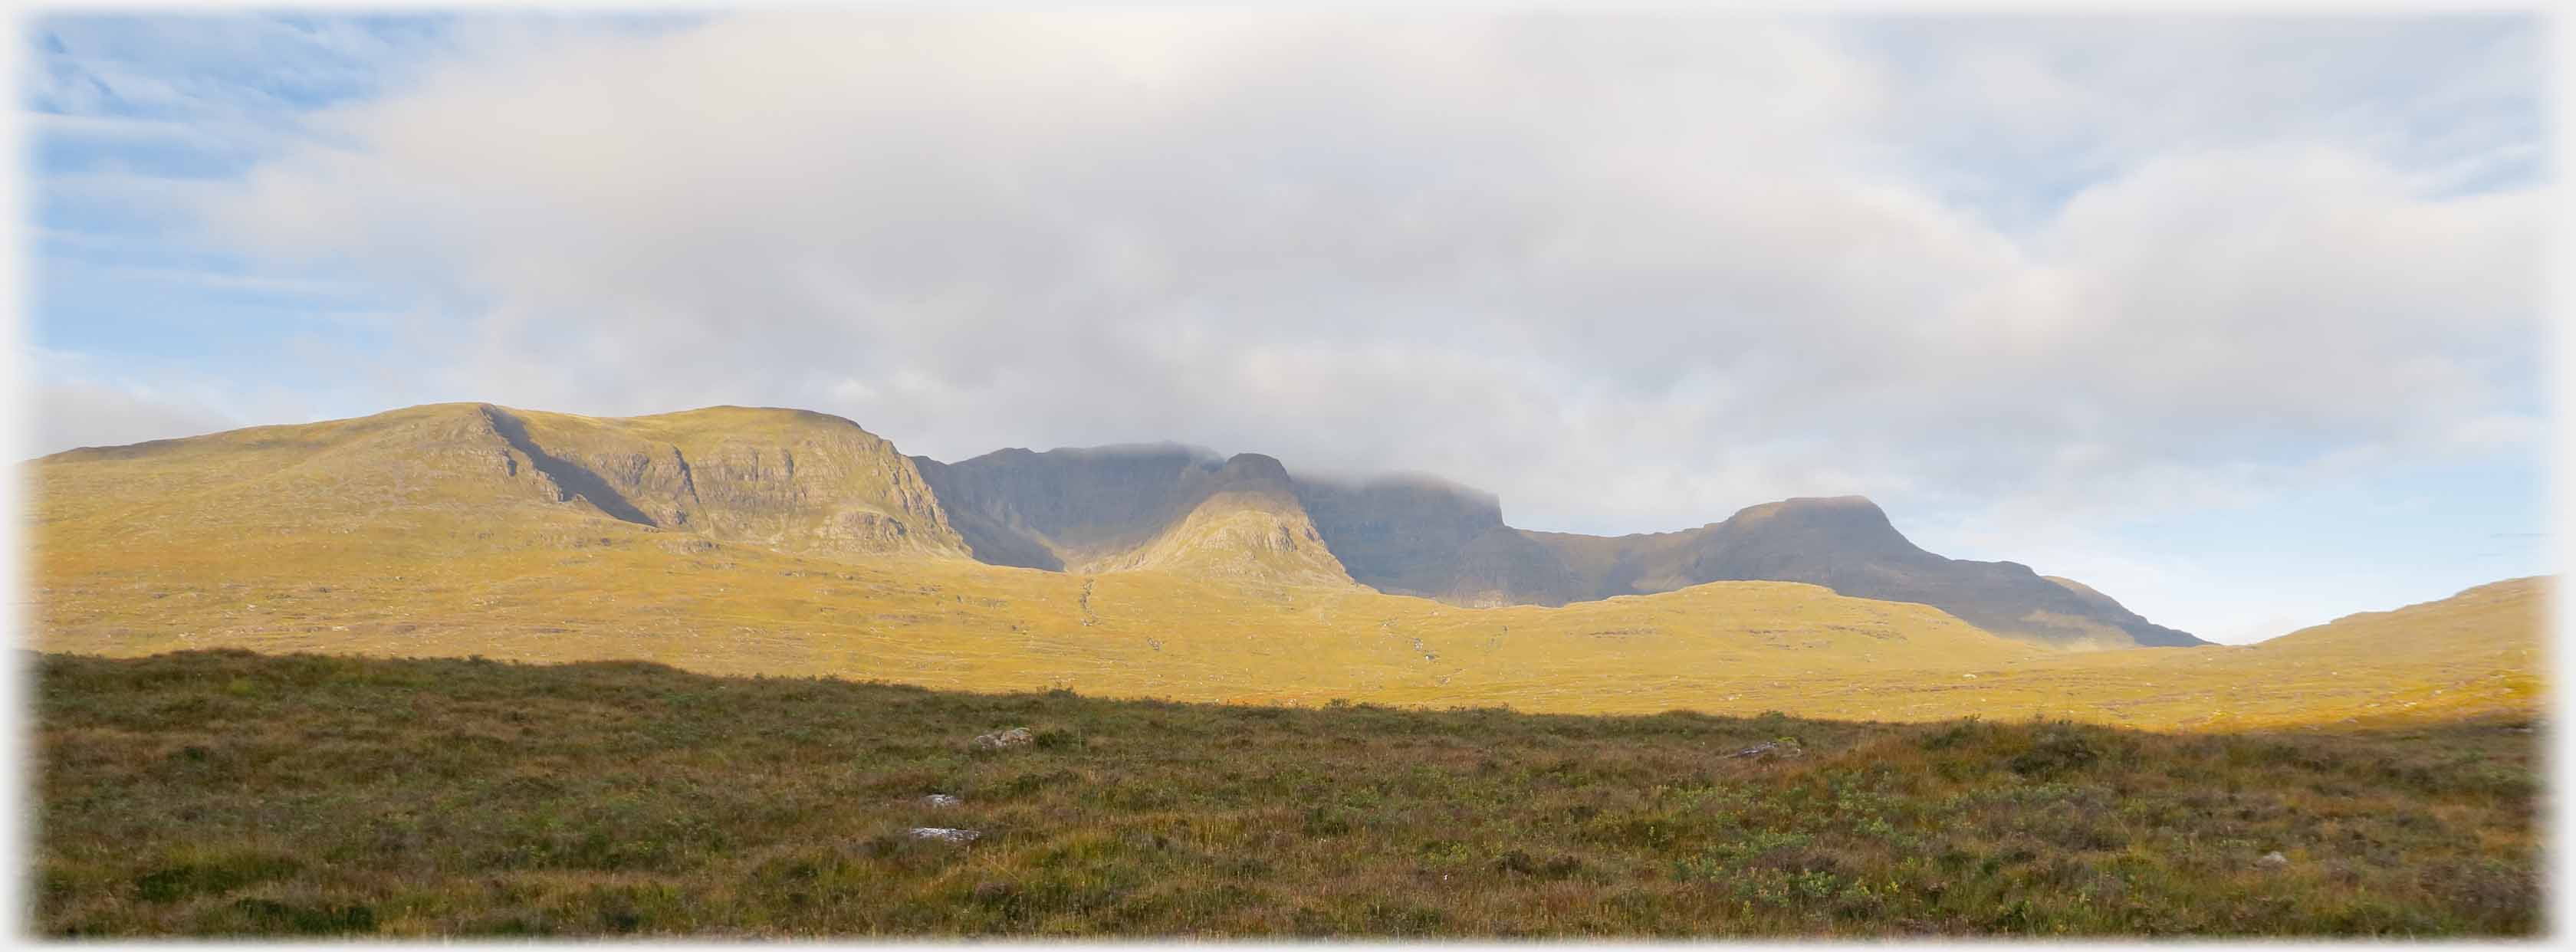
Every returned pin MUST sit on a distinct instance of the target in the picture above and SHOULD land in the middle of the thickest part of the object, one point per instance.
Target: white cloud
(73, 399)
(1629, 274)
(71, 415)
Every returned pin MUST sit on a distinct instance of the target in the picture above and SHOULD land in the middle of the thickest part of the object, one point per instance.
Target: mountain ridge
(802, 480)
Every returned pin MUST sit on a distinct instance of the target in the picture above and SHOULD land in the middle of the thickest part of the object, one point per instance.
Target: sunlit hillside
(459, 530)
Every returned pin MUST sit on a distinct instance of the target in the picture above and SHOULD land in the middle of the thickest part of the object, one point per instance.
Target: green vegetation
(232, 793)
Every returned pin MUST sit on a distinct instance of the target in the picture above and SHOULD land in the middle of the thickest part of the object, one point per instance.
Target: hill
(436, 531)
(224, 793)
(431, 532)
(807, 482)
(782, 479)
(2477, 652)
(1124, 508)
(1421, 537)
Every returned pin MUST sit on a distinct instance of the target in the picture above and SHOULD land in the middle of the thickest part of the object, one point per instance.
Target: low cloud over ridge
(1627, 273)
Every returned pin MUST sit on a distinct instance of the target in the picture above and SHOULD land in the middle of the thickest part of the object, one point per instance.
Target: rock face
(1244, 522)
(785, 479)
(1123, 508)
(1062, 508)
(1422, 536)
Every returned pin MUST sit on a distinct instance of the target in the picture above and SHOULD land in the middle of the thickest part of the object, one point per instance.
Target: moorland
(465, 669)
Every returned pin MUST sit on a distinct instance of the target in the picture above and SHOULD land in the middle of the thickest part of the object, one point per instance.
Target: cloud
(73, 399)
(1628, 273)
(72, 415)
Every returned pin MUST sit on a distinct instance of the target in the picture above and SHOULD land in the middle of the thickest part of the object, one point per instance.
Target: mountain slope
(1847, 544)
(1243, 523)
(2498, 616)
(1429, 538)
(1421, 536)
(431, 531)
(2476, 652)
(785, 479)
(807, 482)
(1125, 508)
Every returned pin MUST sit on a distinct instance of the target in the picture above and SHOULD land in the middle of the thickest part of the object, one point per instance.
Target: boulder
(1004, 740)
(1785, 748)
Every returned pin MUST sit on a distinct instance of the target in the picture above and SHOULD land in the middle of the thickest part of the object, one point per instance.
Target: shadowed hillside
(1123, 508)
(1847, 544)
(1421, 537)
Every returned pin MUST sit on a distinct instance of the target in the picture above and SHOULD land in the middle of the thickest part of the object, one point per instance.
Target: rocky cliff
(1423, 536)
(1119, 508)
(786, 479)
(783, 479)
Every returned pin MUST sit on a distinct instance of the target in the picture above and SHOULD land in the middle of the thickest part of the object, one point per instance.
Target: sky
(2240, 320)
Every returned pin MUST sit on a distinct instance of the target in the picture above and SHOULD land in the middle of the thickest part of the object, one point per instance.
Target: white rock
(998, 740)
(940, 800)
(944, 834)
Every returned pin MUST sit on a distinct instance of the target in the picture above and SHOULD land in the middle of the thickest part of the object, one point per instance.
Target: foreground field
(226, 792)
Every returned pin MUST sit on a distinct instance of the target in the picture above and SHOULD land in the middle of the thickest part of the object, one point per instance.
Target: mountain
(1847, 544)
(761, 541)
(784, 479)
(809, 482)
(1087, 509)
(1423, 536)
(1125, 508)
(1427, 538)
(787, 479)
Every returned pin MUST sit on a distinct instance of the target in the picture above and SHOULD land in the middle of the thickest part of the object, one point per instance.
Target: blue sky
(2238, 320)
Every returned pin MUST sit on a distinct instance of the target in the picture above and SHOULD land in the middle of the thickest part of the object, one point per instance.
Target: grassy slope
(1726, 647)
(238, 793)
(393, 535)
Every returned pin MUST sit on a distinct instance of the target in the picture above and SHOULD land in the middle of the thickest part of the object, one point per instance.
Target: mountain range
(805, 482)
(1090, 509)
(759, 541)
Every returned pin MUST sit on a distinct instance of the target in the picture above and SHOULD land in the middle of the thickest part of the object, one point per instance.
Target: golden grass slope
(407, 534)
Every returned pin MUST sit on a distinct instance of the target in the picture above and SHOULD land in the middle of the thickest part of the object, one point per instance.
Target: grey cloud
(75, 414)
(1628, 274)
